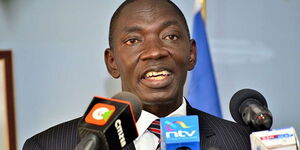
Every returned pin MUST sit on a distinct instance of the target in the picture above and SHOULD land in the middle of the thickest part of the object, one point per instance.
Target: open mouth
(157, 79)
(154, 75)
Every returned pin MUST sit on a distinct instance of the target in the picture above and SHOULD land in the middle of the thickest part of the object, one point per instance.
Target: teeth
(158, 78)
(157, 75)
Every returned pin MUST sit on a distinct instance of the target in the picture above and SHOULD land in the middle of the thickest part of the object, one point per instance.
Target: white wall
(255, 44)
(58, 55)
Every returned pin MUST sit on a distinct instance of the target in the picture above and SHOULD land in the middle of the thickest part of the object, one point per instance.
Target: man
(151, 51)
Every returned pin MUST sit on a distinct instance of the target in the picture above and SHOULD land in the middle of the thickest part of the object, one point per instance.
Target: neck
(162, 110)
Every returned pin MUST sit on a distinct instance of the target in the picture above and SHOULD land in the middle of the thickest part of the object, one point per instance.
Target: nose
(154, 50)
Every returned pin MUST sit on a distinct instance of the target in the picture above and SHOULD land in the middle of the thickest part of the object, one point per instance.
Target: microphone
(249, 107)
(279, 139)
(109, 123)
(180, 133)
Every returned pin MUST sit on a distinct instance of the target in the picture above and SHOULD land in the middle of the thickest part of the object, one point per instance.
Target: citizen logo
(120, 132)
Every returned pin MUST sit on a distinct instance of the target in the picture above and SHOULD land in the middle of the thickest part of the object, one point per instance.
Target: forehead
(148, 12)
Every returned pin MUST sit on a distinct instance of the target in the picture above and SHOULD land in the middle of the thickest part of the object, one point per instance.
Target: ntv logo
(173, 129)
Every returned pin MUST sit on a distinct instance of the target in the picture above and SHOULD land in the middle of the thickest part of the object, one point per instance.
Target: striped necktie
(155, 129)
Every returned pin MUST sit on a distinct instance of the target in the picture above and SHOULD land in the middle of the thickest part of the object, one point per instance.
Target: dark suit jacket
(215, 133)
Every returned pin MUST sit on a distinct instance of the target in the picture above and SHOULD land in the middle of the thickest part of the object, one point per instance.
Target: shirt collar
(147, 118)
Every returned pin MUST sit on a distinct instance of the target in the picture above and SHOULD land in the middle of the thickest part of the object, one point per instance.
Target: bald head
(151, 4)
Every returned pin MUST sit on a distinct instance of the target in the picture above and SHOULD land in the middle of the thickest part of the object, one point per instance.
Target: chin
(156, 99)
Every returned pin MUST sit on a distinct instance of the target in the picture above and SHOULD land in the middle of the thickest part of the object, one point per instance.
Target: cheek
(181, 59)
(126, 65)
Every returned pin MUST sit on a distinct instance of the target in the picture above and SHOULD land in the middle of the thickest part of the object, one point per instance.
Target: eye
(171, 37)
(131, 41)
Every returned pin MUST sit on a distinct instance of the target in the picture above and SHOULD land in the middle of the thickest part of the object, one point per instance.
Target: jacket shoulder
(222, 125)
(224, 134)
(63, 136)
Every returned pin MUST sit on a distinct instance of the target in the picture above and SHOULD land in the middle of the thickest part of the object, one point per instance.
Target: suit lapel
(206, 131)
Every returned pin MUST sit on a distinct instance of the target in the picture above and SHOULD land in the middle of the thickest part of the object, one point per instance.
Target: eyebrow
(133, 29)
(169, 23)
(137, 28)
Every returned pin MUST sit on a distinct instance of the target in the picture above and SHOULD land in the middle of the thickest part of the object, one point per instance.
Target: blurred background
(58, 60)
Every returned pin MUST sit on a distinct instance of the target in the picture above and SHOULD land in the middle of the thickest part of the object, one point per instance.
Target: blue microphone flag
(180, 132)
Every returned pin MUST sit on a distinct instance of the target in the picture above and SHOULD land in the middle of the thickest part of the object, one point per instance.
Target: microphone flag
(180, 133)
(279, 139)
(112, 120)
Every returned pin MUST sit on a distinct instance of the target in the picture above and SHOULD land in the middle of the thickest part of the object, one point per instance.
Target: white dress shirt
(147, 140)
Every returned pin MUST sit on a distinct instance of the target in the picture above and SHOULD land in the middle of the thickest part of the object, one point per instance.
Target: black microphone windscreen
(239, 97)
(133, 99)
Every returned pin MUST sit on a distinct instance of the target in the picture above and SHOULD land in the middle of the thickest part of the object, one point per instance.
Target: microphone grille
(239, 97)
(134, 101)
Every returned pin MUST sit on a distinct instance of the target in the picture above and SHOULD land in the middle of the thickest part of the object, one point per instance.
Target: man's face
(151, 52)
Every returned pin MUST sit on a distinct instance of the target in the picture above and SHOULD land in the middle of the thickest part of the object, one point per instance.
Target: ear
(111, 63)
(193, 55)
